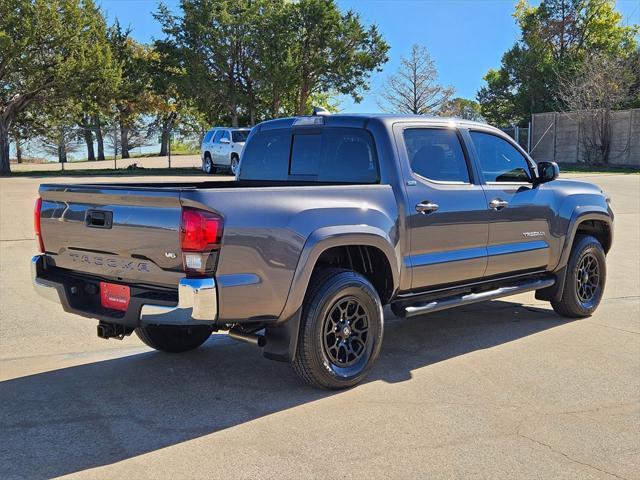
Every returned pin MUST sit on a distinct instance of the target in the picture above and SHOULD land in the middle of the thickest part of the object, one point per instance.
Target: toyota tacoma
(329, 218)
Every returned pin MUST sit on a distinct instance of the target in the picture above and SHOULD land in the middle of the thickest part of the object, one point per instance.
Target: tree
(556, 38)
(170, 108)
(333, 51)
(462, 108)
(61, 140)
(602, 85)
(134, 96)
(259, 58)
(49, 51)
(415, 88)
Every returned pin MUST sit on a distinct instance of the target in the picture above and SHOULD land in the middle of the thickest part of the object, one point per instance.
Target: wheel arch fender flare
(325, 238)
(580, 215)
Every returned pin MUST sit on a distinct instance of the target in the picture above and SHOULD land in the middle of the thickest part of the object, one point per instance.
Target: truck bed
(266, 225)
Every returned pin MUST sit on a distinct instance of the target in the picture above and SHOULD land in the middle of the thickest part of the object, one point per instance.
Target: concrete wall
(558, 137)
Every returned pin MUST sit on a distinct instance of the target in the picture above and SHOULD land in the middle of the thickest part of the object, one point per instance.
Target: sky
(465, 37)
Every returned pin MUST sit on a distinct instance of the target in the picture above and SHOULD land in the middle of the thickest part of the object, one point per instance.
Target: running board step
(457, 301)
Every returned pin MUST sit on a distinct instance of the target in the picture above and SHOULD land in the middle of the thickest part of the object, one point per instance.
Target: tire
(208, 167)
(328, 359)
(173, 339)
(234, 164)
(585, 279)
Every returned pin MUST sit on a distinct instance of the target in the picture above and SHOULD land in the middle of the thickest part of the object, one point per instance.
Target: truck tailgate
(123, 233)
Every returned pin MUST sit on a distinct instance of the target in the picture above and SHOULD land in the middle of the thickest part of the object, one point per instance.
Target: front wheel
(208, 165)
(341, 330)
(173, 339)
(584, 280)
(234, 165)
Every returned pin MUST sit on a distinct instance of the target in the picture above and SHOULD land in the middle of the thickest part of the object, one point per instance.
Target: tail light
(36, 224)
(200, 236)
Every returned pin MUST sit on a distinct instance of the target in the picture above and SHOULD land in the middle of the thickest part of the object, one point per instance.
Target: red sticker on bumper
(115, 297)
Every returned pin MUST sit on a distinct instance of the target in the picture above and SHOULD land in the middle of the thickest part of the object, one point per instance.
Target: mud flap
(282, 340)
(554, 292)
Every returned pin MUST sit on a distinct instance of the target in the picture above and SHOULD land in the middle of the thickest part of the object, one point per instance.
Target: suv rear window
(342, 155)
(239, 135)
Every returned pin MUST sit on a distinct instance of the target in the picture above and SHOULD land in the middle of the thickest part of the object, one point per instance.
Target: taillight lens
(200, 234)
(36, 224)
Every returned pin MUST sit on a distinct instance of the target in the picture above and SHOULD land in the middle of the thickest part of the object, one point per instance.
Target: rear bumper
(197, 301)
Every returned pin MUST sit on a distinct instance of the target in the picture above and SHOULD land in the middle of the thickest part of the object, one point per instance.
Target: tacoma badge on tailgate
(110, 262)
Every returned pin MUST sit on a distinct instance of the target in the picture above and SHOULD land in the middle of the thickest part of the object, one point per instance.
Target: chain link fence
(522, 135)
(108, 147)
(141, 146)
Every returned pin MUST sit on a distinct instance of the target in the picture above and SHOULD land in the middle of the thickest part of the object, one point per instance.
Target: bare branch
(415, 88)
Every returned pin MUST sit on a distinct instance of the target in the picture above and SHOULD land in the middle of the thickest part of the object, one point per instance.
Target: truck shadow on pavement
(76, 418)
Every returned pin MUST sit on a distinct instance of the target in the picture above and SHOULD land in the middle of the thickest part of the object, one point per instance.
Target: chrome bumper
(197, 304)
(197, 299)
(42, 287)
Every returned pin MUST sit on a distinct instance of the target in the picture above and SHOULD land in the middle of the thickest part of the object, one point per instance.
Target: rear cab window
(327, 154)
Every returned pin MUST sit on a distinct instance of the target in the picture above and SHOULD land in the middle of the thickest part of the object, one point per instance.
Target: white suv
(221, 149)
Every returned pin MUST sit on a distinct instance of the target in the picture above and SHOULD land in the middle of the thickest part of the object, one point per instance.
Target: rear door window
(436, 154)
(225, 134)
(499, 160)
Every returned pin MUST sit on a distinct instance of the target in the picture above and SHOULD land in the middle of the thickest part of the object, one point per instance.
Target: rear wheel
(173, 339)
(585, 279)
(341, 330)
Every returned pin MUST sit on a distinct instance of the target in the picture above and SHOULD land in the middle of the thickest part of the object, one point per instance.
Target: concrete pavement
(504, 389)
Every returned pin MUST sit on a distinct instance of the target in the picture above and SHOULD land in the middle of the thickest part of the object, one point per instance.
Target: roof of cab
(360, 120)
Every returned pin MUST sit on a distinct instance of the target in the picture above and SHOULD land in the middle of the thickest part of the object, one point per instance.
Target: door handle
(498, 204)
(427, 207)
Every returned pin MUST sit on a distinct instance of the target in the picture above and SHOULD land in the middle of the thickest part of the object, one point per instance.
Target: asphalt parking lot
(504, 389)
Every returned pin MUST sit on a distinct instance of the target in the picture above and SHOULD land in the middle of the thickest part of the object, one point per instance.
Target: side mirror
(225, 140)
(548, 171)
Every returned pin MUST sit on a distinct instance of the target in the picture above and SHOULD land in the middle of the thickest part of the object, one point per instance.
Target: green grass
(181, 150)
(121, 172)
(578, 168)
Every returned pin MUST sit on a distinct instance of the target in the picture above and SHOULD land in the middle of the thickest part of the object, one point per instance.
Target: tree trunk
(275, 105)
(18, 150)
(62, 149)
(167, 124)
(302, 99)
(124, 141)
(99, 139)
(5, 168)
(164, 141)
(88, 139)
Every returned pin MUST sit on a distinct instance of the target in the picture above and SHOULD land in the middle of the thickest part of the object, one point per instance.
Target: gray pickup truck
(329, 219)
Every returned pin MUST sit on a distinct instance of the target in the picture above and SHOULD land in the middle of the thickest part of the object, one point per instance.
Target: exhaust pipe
(252, 338)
